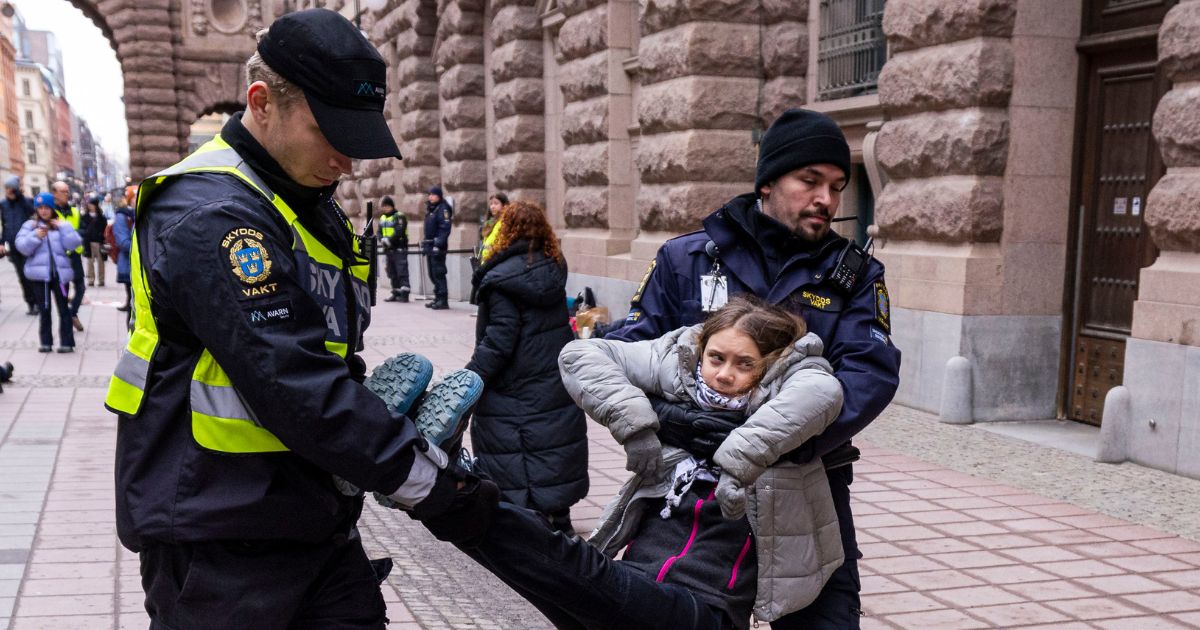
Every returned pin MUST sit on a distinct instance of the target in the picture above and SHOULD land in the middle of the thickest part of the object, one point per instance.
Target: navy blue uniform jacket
(855, 328)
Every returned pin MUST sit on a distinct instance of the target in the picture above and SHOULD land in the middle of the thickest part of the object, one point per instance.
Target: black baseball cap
(343, 77)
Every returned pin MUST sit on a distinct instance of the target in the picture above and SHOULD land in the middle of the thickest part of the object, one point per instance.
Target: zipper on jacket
(662, 573)
(738, 563)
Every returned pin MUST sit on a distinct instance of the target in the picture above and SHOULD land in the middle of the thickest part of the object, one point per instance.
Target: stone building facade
(633, 120)
(1028, 168)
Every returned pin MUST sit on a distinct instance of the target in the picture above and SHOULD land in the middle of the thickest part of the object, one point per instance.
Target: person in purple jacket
(45, 241)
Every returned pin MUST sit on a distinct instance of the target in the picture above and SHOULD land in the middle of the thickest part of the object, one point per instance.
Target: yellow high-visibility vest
(221, 421)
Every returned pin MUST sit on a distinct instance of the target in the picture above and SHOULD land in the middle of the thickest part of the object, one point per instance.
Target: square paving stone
(936, 620)
(1167, 601)
(1094, 608)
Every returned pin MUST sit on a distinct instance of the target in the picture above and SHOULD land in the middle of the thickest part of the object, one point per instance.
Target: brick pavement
(943, 549)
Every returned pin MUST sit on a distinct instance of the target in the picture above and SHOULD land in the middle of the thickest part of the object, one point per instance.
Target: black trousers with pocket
(263, 585)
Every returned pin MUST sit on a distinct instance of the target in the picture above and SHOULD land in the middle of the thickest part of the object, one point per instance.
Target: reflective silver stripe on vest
(132, 369)
(223, 158)
(220, 402)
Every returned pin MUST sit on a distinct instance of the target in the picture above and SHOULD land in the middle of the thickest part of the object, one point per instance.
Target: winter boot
(401, 380)
(446, 408)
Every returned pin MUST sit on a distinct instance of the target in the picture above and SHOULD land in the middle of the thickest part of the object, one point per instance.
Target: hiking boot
(124, 308)
(430, 304)
(440, 305)
(403, 296)
(401, 380)
(33, 310)
(444, 412)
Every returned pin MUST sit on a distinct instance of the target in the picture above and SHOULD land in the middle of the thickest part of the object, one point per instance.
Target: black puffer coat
(527, 432)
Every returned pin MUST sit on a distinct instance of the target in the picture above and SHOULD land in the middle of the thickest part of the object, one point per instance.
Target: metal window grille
(852, 48)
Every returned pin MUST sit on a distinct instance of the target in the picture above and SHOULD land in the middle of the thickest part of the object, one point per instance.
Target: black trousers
(27, 289)
(577, 587)
(838, 606)
(52, 296)
(79, 282)
(437, 273)
(261, 586)
(396, 265)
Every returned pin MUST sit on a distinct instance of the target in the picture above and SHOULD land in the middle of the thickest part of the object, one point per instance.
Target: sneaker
(76, 323)
(443, 414)
(401, 380)
(45, 349)
(65, 349)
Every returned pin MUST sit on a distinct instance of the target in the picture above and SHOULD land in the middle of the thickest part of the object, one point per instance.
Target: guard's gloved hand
(696, 431)
(731, 496)
(643, 454)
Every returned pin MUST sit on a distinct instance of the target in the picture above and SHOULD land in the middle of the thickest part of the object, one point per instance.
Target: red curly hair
(525, 220)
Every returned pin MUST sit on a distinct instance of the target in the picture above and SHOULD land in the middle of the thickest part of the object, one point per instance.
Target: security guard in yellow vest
(239, 396)
(62, 205)
(393, 230)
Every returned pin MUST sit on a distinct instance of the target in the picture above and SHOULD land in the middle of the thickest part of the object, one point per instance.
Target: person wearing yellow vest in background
(245, 434)
(489, 228)
(393, 232)
(62, 205)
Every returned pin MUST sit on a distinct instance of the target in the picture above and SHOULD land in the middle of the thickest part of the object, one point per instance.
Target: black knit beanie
(797, 138)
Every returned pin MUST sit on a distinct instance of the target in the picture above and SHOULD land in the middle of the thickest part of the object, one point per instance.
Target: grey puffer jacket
(789, 505)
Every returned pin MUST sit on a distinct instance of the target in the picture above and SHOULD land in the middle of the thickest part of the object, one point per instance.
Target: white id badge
(714, 292)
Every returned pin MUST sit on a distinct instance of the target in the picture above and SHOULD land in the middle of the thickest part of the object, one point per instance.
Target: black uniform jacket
(855, 327)
(272, 346)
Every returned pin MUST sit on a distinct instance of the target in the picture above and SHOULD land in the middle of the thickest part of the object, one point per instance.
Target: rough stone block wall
(1173, 207)
(584, 66)
(945, 91)
(700, 76)
(144, 42)
(458, 59)
(519, 130)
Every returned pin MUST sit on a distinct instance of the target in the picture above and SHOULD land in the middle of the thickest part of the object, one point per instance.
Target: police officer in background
(70, 213)
(239, 396)
(438, 216)
(777, 244)
(393, 229)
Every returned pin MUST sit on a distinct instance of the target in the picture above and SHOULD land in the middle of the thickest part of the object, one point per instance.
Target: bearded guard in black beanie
(777, 243)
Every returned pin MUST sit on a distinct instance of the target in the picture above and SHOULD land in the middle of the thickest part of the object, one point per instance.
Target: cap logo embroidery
(369, 89)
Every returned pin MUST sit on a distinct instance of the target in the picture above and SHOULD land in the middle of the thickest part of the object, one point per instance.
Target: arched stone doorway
(180, 59)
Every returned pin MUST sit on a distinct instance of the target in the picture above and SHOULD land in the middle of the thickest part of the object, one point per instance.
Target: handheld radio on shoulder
(851, 266)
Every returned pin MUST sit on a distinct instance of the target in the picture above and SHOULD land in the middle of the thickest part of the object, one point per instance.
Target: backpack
(110, 239)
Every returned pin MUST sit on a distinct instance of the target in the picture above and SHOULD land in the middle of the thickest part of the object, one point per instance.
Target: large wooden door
(1118, 164)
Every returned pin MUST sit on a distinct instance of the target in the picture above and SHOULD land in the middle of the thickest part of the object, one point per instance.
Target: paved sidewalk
(1031, 536)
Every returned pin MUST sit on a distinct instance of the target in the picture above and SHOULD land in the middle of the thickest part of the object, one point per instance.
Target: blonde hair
(285, 91)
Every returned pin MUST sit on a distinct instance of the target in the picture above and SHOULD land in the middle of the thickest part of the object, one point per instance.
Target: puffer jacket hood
(538, 283)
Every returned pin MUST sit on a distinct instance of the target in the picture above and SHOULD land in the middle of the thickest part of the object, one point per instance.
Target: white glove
(731, 496)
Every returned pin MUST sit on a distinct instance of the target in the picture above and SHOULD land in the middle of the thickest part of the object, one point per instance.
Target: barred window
(852, 48)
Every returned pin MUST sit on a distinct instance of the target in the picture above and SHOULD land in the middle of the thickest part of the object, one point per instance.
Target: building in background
(1027, 170)
(12, 161)
(33, 103)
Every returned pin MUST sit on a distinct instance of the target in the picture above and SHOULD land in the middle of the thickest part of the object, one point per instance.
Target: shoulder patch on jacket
(637, 296)
(883, 307)
(249, 261)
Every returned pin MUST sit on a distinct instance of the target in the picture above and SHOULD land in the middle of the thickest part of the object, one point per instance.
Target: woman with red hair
(529, 436)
